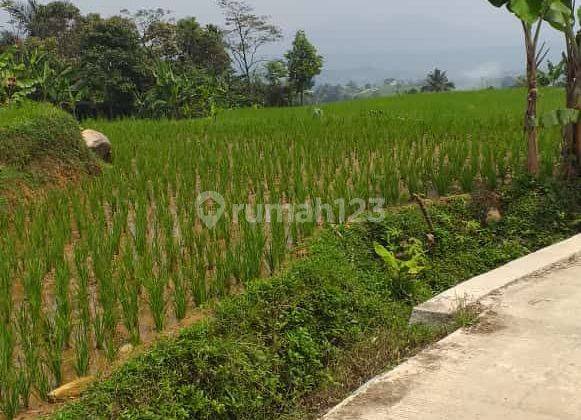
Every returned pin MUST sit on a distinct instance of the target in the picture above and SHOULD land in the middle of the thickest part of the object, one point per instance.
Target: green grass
(32, 131)
(131, 242)
(296, 343)
(37, 141)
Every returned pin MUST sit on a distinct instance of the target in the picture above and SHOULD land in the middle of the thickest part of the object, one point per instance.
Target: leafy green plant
(179, 95)
(16, 83)
(404, 270)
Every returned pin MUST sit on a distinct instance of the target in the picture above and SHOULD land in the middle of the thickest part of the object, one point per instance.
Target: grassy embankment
(39, 146)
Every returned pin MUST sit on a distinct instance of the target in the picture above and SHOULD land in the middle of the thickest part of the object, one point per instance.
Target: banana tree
(563, 17)
(532, 14)
(16, 82)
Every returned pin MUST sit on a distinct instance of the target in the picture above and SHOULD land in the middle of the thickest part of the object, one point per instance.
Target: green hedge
(265, 352)
(32, 131)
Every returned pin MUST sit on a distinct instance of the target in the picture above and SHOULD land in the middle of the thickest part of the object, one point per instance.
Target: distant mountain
(376, 76)
(466, 68)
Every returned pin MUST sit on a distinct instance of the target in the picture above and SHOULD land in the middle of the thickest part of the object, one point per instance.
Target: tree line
(147, 63)
(436, 81)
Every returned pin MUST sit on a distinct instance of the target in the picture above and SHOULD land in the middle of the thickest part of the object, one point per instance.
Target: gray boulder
(99, 144)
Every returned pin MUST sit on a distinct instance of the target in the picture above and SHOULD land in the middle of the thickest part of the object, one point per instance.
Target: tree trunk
(576, 140)
(568, 152)
(574, 145)
(578, 148)
(531, 113)
(572, 133)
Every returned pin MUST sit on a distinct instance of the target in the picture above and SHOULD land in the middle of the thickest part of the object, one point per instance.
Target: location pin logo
(210, 207)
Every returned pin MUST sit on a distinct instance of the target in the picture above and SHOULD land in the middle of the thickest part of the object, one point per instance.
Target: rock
(126, 349)
(493, 216)
(98, 143)
(71, 390)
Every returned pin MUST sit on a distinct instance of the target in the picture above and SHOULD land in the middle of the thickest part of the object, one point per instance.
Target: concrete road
(522, 361)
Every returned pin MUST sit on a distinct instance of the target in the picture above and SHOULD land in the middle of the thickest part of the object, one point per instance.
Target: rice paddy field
(125, 256)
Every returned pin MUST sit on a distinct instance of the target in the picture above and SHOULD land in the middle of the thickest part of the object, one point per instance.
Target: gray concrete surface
(442, 308)
(522, 361)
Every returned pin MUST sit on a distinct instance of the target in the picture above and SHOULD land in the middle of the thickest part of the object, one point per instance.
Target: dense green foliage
(190, 95)
(107, 67)
(266, 350)
(143, 64)
(304, 63)
(31, 71)
(32, 131)
(111, 60)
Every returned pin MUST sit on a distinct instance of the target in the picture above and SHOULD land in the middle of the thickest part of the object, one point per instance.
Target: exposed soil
(42, 176)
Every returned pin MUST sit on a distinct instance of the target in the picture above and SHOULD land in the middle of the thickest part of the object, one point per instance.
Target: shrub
(39, 145)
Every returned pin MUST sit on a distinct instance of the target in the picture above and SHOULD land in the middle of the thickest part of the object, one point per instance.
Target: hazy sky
(374, 39)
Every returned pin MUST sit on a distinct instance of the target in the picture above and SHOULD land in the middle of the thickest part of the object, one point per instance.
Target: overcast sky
(375, 39)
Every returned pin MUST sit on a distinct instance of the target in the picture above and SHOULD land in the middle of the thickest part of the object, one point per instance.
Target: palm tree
(437, 81)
